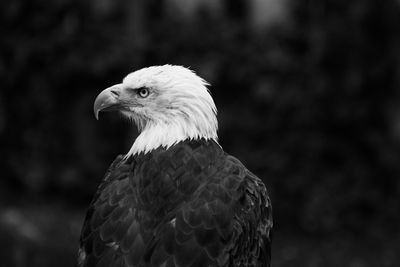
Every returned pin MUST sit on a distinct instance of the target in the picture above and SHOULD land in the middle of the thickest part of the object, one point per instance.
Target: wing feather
(216, 215)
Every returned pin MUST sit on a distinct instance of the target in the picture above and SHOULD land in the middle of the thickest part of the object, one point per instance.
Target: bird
(176, 198)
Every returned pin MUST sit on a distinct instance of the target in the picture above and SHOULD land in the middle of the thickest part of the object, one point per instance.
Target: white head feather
(179, 107)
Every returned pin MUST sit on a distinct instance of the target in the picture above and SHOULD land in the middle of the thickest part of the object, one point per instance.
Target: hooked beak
(107, 100)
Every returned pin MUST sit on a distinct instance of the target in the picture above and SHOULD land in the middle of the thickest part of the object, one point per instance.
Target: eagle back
(189, 205)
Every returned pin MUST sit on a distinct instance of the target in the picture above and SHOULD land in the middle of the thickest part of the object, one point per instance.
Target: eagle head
(168, 104)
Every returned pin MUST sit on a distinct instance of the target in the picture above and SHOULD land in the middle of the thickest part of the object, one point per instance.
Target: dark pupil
(143, 92)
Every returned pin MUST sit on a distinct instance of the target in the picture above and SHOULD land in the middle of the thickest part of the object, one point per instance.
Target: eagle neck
(165, 135)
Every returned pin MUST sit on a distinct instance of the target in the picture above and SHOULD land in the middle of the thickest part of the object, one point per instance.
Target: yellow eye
(143, 92)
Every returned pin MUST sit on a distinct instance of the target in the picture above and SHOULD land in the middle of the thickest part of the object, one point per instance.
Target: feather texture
(189, 205)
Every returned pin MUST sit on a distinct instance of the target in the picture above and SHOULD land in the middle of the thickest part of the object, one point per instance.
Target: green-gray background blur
(308, 98)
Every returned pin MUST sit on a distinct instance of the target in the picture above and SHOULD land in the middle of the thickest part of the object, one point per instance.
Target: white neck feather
(156, 135)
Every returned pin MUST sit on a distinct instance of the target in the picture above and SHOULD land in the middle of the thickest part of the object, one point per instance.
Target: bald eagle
(176, 198)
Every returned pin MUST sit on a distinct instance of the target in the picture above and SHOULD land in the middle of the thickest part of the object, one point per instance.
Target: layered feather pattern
(189, 205)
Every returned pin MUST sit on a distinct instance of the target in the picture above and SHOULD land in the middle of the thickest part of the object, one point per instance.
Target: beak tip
(96, 112)
(106, 101)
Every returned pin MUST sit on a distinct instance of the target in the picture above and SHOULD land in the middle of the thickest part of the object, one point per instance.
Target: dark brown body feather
(190, 205)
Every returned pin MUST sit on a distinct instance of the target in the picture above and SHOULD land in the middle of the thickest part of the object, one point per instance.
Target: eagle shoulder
(192, 205)
(108, 228)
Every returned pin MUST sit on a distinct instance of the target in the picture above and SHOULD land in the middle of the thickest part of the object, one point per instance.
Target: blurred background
(308, 93)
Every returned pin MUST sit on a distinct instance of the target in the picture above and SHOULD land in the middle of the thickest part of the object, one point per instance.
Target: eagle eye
(143, 92)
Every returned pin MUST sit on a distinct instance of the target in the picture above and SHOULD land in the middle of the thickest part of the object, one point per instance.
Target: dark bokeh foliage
(310, 104)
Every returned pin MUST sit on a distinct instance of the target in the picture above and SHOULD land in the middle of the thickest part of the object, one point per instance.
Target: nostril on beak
(115, 93)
